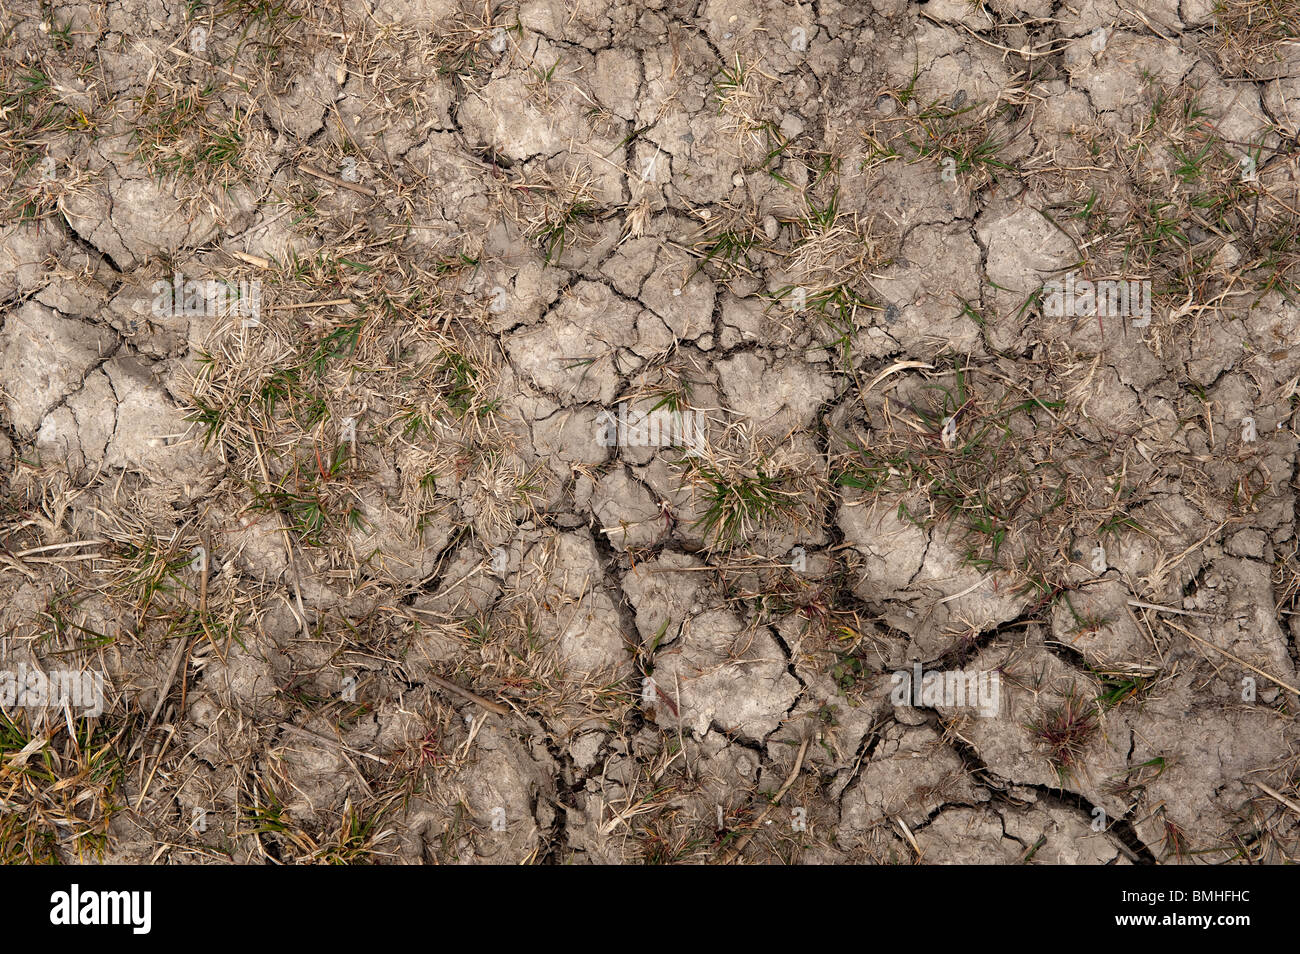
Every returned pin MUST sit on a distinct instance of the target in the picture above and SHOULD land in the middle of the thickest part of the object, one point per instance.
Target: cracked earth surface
(371, 576)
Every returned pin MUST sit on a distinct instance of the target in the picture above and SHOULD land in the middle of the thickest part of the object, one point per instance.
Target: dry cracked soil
(435, 431)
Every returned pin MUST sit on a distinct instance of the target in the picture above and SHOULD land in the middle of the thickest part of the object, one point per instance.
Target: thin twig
(310, 304)
(1237, 659)
(335, 180)
(465, 693)
(1168, 609)
(1279, 796)
(307, 733)
(744, 839)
